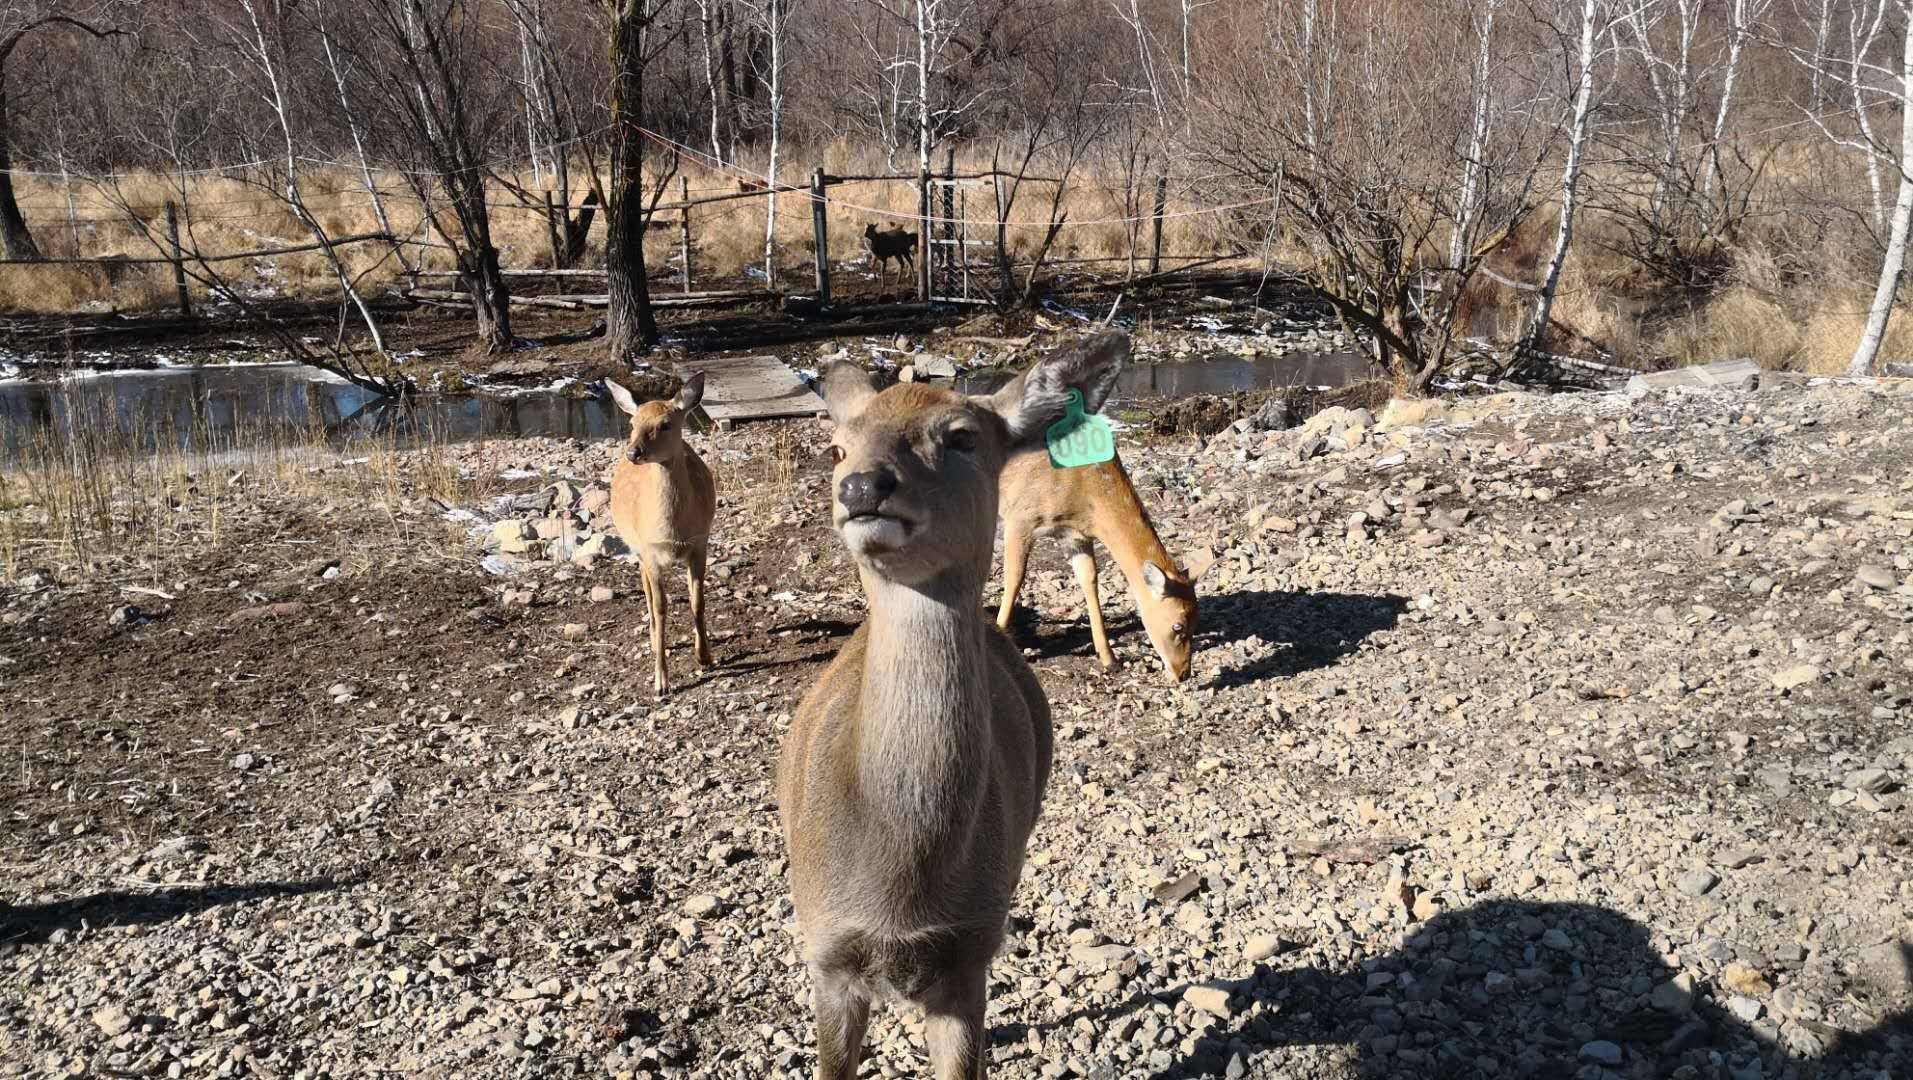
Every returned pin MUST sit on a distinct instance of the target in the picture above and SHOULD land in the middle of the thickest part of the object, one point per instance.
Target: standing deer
(915, 768)
(1085, 504)
(895, 244)
(662, 501)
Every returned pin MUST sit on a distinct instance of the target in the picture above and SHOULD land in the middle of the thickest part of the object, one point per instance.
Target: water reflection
(230, 408)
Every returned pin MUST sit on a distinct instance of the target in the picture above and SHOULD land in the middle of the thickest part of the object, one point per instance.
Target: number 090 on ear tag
(1079, 438)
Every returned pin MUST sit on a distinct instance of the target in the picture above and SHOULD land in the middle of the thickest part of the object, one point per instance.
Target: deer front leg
(694, 582)
(1016, 560)
(1084, 563)
(842, 1016)
(654, 601)
(953, 1025)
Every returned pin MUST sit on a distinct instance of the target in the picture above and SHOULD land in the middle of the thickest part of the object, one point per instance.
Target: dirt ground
(1533, 736)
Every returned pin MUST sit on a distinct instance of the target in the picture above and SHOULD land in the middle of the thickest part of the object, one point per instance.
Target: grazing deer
(895, 244)
(662, 501)
(915, 768)
(1089, 503)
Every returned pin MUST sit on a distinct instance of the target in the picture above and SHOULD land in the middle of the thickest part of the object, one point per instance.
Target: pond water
(231, 408)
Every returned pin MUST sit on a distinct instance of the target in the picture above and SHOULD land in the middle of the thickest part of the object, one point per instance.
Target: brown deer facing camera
(662, 501)
(895, 244)
(915, 768)
(1083, 505)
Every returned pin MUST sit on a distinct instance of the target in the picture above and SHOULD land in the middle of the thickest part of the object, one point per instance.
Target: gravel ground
(1530, 736)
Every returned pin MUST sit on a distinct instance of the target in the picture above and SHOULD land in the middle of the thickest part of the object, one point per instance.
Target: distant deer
(894, 244)
(1089, 503)
(662, 501)
(915, 768)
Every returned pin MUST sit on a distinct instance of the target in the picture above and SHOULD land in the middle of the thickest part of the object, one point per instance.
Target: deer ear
(622, 397)
(690, 394)
(1037, 398)
(1157, 581)
(846, 389)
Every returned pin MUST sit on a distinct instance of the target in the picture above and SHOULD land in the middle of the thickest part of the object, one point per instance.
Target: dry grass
(222, 214)
(86, 489)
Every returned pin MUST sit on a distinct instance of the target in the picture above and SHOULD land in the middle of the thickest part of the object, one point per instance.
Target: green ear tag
(1079, 438)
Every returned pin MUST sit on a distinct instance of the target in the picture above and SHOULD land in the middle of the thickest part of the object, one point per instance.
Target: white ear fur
(622, 397)
(845, 388)
(690, 394)
(1153, 577)
(1039, 397)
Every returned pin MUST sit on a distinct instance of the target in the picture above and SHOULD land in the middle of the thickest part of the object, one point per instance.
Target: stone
(1262, 946)
(1601, 1052)
(1794, 677)
(703, 906)
(1209, 998)
(1697, 882)
(574, 631)
(242, 762)
(1875, 576)
(509, 530)
(1676, 995)
(1873, 781)
(1173, 892)
(113, 1020)
(1745, 1008)
(1745, 979)
(602, 593)
(932, 366)
(1098, 957)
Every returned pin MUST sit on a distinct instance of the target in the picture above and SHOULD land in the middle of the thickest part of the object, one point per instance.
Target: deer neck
(1120, 521)
(925, 701)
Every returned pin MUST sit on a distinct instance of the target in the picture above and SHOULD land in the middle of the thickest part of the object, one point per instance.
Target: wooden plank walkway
(752, 388)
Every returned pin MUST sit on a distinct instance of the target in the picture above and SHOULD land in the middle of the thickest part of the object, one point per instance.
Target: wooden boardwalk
(752, 388)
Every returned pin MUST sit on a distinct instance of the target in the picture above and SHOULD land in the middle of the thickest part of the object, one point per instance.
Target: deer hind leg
(1084, 563)
(655, 603)
(1016, 560)
(953, 1024)
(842, 1016)
(694, 582)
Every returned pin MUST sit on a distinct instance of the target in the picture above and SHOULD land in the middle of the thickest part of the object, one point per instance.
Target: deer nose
(862, 492)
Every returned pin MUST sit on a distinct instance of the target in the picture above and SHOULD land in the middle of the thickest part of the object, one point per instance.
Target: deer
(1082, 505)
(894, 244)
(914, 770)
(662, 501)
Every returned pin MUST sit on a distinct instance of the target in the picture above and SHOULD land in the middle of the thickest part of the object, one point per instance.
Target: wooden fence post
(684, 228)
(1155, 228)
(179, 261)
(820, 230)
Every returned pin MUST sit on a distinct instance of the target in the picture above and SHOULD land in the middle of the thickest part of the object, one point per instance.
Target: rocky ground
(1530, 736)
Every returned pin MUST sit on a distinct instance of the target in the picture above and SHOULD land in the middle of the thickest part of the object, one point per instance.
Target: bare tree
(1587, 47)
(1874, 83)
(630, 326)
(16, 22)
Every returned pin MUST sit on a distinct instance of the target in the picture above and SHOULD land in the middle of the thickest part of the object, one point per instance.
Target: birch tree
(1583, 55)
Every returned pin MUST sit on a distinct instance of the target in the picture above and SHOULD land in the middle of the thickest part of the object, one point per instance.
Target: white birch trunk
(1466, 209)
(358, 150)
(1537, 336)
(1743, 16)
(774, 10)
(1895, 262)
(708, 27)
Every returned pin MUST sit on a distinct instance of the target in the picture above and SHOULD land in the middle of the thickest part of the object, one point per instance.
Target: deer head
(915, 483)
(657, 427)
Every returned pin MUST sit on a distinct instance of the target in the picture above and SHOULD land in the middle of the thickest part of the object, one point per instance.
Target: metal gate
(957, 274)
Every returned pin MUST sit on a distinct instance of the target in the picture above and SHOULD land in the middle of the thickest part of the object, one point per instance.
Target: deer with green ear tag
(662, 500)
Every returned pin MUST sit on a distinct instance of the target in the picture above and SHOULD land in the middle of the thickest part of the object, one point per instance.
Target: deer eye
(837, 455)
(960, 438)
(1179, 630)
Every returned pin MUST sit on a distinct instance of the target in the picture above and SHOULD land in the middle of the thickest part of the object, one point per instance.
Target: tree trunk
(16, 241)
(1536, 338)
(630, 328)
(1895, 262)
(491, 300)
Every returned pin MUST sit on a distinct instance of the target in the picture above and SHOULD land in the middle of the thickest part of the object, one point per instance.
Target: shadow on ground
(34, 924)
(1503, 989)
